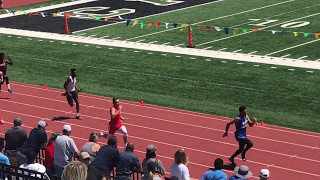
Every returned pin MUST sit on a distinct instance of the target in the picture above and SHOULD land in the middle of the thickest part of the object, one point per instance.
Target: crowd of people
(92, 162)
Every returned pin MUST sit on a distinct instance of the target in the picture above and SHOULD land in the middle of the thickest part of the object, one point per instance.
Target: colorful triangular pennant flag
(295, 34)
(316, 35)
(167, 25)
(182, 27)
(158, 24)
(244, 30)
(150, 24)
(199, 27)
(283, 32)
(305, 34)
(217, 29)
(175, 25)
(207, 28)
(135, 22)
(106, 19)
(226, 30)
(235, 32)
(142, 24)
(128, 22)
(273, 32)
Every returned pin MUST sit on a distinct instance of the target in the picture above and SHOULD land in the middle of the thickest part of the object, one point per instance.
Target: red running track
(287, 153)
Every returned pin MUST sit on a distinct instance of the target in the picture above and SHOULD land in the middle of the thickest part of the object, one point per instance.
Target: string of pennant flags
(149, 24)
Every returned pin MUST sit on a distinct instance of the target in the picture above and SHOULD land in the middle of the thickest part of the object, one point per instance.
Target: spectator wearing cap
(49, 155)
(127, 163)
(179, 168)
(31, 165)
(37, 140)
(264, 174)
(92, 171)
(64, 150)
(215, 173)
(151, 159)
(15, 138)
(91, 147)
(241, 173)
(107, 158)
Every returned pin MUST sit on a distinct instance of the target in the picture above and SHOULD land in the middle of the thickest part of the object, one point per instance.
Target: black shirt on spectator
(36, 138)
(105, 160)
(127, 163)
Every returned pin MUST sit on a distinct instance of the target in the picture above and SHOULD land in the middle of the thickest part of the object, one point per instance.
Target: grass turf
(214, 86)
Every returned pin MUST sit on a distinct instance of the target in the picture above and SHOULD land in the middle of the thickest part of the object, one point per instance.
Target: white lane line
(291, 69)
(303, 57)
(153, 42)
(105, 36)
(310, 71)
(286, 55)
(184, 112)
(256, 65)
(272, 67)
(93, 35)
(208, 47)
(237, 50)
(222, 49)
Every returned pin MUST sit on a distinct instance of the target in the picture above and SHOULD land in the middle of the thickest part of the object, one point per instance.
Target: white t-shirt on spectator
(64, 149)
(34, 167)
(180, 171)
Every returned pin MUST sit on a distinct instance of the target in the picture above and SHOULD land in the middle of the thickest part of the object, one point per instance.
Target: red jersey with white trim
(116, 121)
(3, 67)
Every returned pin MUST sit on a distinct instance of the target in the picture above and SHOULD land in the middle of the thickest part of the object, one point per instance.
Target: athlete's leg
(124, 132)
(76, 100)
(70, 100)
(249, 145)
(6, 79)
(241, 147)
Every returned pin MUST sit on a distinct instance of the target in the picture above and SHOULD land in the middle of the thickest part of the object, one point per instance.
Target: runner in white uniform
(72, 91)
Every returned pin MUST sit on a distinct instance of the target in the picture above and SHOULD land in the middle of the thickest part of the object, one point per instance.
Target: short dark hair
(218, 164)
(73, 70)
(151, 154)
(112, 141)
(242, 108)
(114, 99)
(130, 146)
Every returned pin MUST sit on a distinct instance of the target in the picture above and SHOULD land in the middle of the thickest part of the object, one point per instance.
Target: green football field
(279, 95)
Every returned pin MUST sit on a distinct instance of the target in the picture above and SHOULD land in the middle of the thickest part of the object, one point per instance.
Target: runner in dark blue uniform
(241, 122)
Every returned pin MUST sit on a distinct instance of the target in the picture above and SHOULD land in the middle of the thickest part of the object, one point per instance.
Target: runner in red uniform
(115, 123)
(3, 68)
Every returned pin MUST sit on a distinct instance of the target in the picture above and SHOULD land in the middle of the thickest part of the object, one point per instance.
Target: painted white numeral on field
(159, 2)
(93, 11)
(295, 24)
(268, 21)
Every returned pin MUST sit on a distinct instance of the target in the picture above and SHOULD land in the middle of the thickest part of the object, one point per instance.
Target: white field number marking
(295, 24)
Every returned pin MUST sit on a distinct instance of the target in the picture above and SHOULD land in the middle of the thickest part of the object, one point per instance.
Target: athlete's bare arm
(251, 123)
(9, 61)
(235, 120)
(66, 86)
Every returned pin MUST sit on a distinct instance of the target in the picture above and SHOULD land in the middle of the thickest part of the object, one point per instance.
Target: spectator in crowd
(178, 168)
(241, 173)
(3, 67)
(49, 154)
(64, 150)
(107, 157)
(1, 4)
(264, 174)
(37, 140)
(92, 171)
(31, 165)
(75, 170)
(3, 158)
(127, 163)
(154, 173)
(91, 147)
(151, 159)
(15, 138)
(216, 173)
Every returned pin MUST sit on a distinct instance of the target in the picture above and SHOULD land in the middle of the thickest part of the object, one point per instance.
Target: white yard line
(260, 28)
(235, 14)
(238, 50)
(208, 47)
(286, 55)
(292, 47)
(253, 52)
(153, 42)
(223, 49)
(166, 43)
(164, 49)
(302, 57)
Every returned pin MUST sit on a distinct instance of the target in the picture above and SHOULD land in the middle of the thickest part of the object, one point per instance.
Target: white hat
(66, 127)
(42, 123)
(264, 173)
